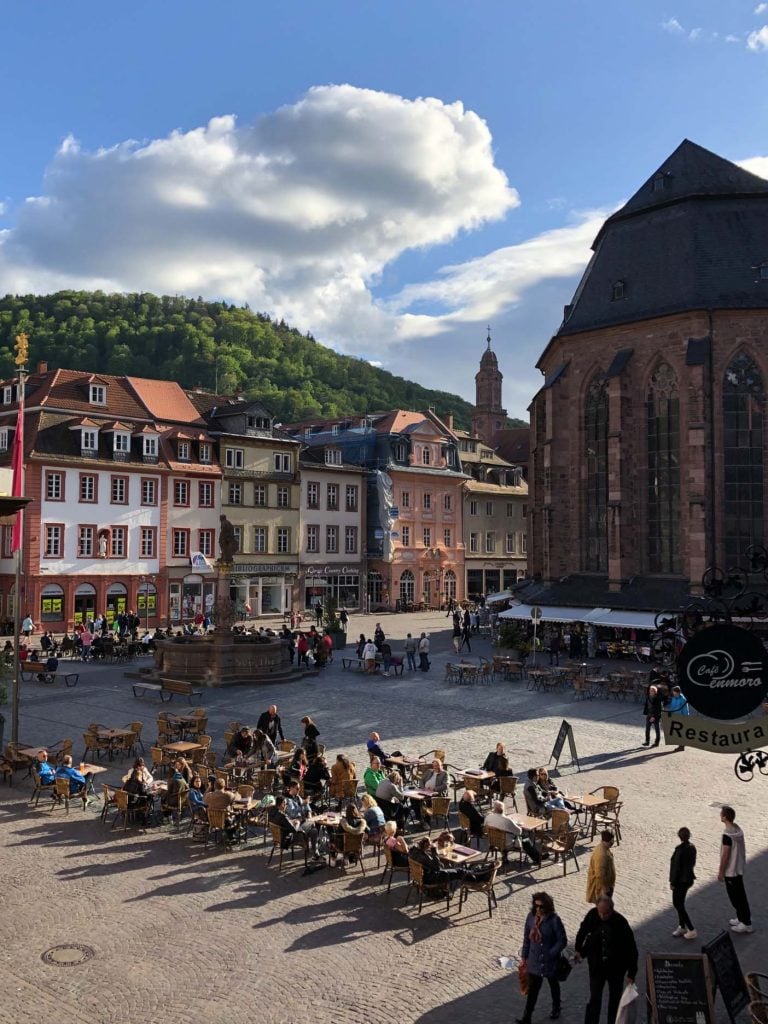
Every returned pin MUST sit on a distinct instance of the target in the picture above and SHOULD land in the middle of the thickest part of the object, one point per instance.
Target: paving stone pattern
(187, 936)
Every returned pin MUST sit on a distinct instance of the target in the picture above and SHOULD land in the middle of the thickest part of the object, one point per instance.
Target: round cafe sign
(723, 672)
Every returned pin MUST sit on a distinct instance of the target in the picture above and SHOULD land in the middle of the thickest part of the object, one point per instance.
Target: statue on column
(227, 541)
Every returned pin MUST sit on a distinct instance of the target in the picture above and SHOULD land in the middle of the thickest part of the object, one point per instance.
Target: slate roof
(692, 237)
(588, 591)
(513, 444)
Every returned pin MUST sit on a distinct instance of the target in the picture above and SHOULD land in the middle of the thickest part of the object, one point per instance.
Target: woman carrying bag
(544, 940)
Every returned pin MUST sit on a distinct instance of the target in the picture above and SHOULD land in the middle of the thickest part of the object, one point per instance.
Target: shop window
(51, 604)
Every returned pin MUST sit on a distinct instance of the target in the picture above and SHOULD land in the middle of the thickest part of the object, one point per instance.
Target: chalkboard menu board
(679, 989)
(727, 973)
(565, 733)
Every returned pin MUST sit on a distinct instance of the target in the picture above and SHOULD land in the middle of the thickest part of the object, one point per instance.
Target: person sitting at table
(289, 813)
(535, 798)
(392, 800)
(219, 798)
(555, 799)
(496, 818)
(269, 723)
(144, 773)
(8, 652)
(97, 647)
(311, 732)
(316, 778)
(196, 797)
(374, 750)
(138, 796)
(396, 844)
(373, 814)
(185, 768)
(51, 666)
(44, 768)
(342, 770)
(360, 645)
(263, 748)
(497, 761)
(177, 790)
(46, 642)
(373, 775)
(353, 823)
(78, 783)
(425, 854)
(297, 769)
(466, 806)
(434, 779)
(242, 743)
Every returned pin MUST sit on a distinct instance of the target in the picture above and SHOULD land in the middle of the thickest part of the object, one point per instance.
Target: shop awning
(622, 619)
(504, 595)
(549, 613)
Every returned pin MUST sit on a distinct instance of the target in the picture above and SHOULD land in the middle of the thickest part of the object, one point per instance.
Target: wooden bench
(32, 669)
(354, 662)
(169, 686)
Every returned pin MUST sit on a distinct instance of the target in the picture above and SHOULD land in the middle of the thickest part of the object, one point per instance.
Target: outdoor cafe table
(465, 669)
(328, 819)
(182, 723)
(536, 677)
(406, 765)
(182, 747)
(590, 803)
(110, 736)
(85, 768)
(453, 853)
(530, 824)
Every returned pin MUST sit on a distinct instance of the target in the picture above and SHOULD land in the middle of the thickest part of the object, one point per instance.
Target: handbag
(522, 978)
(563, 968)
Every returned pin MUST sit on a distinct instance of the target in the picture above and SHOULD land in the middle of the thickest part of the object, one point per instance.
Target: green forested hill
(209, 344)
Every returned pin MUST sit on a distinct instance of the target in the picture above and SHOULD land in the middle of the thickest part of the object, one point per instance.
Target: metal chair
(416, 881)
(468, 886)
(561, 845)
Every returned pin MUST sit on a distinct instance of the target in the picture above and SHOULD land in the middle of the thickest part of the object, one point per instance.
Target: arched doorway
(407, 588)
(449, 585)
(117, 601)
(85, 604)
(51, 603)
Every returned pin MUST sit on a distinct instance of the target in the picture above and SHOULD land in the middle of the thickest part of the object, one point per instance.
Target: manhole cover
(69, 955)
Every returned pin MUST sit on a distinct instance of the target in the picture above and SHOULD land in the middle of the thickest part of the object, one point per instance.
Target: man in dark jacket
(605, 939)
(270, 724)
(652, 712)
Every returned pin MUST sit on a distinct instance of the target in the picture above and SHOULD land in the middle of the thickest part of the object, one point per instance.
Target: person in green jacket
(373, 776)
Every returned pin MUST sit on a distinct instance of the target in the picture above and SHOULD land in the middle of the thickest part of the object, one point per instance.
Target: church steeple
(489, 416)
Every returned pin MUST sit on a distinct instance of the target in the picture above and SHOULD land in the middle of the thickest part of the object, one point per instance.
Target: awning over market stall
(618, 619)
(503, 595)
(548, 613)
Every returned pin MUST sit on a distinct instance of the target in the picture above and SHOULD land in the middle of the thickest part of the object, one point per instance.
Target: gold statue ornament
(22, 349)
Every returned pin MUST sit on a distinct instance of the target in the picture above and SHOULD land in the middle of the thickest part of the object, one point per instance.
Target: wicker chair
(352, 844)
(136, 728)
(498, 842)
(41, 786)
(287, 746)
(757, 984)
(277, 844)
(465, 823)
(468, 886)
(416, 881)
(61, 794)
(221, 829)
(440, 808)
(392, 868)
(561, 845)
(507, 788)
(108, 800)
(758, 1012)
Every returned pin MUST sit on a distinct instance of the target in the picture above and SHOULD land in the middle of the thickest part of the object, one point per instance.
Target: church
(648, 432)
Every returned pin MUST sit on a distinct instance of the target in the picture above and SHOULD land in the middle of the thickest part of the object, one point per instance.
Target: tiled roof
(697, 241)
(68, 389)
(401, 421)
(165, 400)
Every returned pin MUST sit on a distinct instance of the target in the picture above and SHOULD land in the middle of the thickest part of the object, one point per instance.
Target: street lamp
(147, 581)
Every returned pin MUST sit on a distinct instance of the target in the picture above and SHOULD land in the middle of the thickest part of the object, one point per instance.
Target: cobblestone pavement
(186, 936)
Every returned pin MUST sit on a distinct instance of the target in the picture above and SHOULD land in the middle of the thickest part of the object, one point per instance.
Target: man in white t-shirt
(369, 656)
(733, 859)
(424, 653)
(496, 818)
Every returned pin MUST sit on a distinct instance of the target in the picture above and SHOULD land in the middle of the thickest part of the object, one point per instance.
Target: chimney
(42, 366)
(449, 420)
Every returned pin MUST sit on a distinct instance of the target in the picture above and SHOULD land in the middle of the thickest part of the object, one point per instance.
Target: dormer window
(98, 394)
(121, 443)
(89, 439)
(4, 439)
(149, 447)
(183, 451)
(619, 291)
(400, 452)
(335, 429)
(307, 432)
(333, 456)
(7, 395)
(426, 456)
(205, 452)
(659, 182)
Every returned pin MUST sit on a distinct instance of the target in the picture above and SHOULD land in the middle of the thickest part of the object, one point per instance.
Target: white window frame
(313, 540)
(474, 543)
(234, 458)
(260, 540)
(511, 544)
(405, 536)
(89, 439)
(184, 451)
(260, 491)
(490, 542)
(283, 540)
(313, 494)
(426, 536)
(350, 540)
(332, 456)
(121, 441)
(332, 540)
(4, 439)
(235, 494)
(283, 497)
(282, 462)
(205, 452)
(98, 394)
(149, 446)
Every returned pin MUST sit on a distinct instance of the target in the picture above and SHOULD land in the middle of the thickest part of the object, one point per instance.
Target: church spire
(489, 415)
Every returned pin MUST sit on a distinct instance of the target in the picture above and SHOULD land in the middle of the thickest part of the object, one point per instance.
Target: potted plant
(333, 626)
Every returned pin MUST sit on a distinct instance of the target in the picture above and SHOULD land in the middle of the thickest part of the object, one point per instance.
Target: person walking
(677, 705)
(601, 874)
(544, 939)
(410, 651)
(424, 653)
(554, 649)
(733, 859)
(344, 619)
(652, 712)
(465, 638)
(606, 941)
(681, 878)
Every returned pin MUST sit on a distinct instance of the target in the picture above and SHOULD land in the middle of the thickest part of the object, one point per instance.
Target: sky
(389, 175)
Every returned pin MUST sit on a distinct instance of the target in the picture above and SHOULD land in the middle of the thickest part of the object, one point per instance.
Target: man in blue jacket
(77, 781)
(678, 705)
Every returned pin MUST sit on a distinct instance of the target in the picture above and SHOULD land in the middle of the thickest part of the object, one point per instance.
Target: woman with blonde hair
(373, 814)
(396, 845)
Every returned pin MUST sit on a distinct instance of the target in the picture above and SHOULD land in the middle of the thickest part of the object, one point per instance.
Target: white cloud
(730, 38)
(756, 165)
(758, 41)
(761, 9)
(673, 26)
(297, 213)
(694, 34)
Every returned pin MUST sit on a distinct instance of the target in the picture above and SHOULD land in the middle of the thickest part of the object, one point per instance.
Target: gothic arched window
(596, 431)
(663, 437)
(743, 404)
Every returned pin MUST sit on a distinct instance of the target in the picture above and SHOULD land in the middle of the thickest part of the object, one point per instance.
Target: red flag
(17, 463)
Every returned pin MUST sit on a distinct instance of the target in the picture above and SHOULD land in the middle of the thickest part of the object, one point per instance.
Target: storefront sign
(723, 672)
(716, 737)
(331, 570)
(255, 569)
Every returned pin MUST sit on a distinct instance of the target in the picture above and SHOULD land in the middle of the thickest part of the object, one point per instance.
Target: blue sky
(389, 176)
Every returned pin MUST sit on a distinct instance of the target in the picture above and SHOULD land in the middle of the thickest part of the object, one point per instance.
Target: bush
(514, 636)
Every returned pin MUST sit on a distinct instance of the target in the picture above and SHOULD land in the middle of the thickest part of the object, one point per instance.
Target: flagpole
(22, 347)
